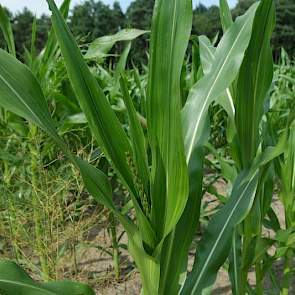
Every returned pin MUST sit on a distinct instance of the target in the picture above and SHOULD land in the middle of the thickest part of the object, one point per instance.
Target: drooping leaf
(100, 47)
(25, 97)
(14, 280)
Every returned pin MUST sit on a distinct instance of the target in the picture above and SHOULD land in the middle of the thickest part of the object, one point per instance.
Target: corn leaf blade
(102, 120)
(14, 280)
(215, 245)
(6, 29)
(228, 58)
(254, 81)
(225, 15)
(100, 47)
(168, 48)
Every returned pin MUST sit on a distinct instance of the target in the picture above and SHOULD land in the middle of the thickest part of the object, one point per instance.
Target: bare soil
(95, 266)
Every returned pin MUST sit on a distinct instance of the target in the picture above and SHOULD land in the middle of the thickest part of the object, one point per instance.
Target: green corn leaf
(168, 47)
(51, 45)
(235, 262)
(14, 280)
(216, 242)
(178, 243)
(254, 81)
(102, 120)
(137, 137)
(48, 54)
(6, 29)
(175, 250)
(196, 64)
(225, 15)
(215, 245)
(148, 266)
(259, 81)
(100, 47)
(25, 97)
(120, 68)
(228, 58)
(207, 52)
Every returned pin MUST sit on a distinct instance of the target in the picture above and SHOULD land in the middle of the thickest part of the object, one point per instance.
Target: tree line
(93, 19)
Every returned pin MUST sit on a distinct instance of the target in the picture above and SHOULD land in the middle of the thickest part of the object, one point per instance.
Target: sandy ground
(95, 266)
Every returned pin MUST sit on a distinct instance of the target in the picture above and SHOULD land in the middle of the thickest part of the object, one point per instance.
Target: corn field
(179, 173)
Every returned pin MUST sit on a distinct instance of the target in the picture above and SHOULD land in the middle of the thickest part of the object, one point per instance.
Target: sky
(40, 6)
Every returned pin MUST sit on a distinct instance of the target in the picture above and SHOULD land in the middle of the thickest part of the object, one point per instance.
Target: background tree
(22, 30)
(206, 21)
(284, 35)
(81, 20)
(241, 7)
(93, 19)
(2, 41)
(139, 16)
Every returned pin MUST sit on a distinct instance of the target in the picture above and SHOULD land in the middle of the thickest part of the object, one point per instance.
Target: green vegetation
(89, 138)
(92, 19)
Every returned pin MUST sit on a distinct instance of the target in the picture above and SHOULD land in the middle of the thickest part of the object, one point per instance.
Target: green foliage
(94, 19)
(284, 35)
(206, 21)
(152, 129)
(13, 280)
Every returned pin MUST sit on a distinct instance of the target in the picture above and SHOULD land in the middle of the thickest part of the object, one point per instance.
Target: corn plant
(281, 115)
(163, 171)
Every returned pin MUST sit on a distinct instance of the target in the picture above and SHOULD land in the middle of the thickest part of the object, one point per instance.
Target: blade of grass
(168, 49)
(14, 280)
(225, 15)
(215, 245)
(137, 137)
(228, 58)
(251, 92)
(6, 28)
(100, 47)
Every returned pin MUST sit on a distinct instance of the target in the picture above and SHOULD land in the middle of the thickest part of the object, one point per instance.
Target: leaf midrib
(211, 89)
(221, 233)
(27, 285)
(227, 89)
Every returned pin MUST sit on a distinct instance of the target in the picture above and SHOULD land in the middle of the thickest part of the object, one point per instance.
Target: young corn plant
(286, 171)
(282, 115)
(163, 172)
